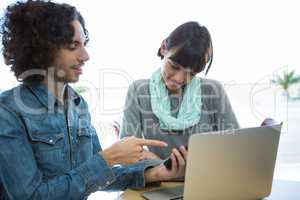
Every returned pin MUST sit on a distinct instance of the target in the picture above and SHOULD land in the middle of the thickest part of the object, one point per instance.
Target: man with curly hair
(48, 146)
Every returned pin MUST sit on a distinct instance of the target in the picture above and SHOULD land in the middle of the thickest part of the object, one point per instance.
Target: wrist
(151, 175)
(107, 156)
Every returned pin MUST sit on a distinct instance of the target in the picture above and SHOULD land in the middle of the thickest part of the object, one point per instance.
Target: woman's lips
(174, 84)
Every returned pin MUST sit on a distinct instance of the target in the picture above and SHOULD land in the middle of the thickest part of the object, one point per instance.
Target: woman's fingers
(179, 158)
(174, 168)
(183, 152)
(181, 163)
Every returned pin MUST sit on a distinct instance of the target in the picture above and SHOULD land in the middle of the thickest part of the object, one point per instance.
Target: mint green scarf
(190, 108)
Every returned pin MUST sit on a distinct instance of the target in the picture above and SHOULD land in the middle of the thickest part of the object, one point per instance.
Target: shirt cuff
(97, 174)
(140, 169)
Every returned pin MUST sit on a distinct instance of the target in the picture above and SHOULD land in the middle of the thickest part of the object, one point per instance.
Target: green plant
(286, 80)
(80, 89)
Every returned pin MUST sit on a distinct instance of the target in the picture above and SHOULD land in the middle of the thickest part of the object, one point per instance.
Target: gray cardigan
(139, 120)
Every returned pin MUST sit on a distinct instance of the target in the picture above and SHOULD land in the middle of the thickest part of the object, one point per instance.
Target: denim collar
(48, 99)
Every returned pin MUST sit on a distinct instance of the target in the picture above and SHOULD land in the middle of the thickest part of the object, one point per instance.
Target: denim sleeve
(96, 143)
(131, 176)
(22, 179)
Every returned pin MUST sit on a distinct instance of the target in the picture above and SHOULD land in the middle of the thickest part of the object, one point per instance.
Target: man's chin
(73, 80)
(67, 80)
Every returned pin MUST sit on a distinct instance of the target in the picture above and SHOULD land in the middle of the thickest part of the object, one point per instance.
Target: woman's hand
(128, 150)
(161, 173)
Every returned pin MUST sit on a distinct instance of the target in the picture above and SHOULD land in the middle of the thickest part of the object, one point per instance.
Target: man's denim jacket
(48, 154)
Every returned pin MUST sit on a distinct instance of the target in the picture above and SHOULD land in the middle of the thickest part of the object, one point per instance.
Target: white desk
(281, 190)
(285, 190)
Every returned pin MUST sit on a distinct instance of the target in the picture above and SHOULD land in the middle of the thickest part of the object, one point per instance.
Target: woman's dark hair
(192, 42)
(33, 31)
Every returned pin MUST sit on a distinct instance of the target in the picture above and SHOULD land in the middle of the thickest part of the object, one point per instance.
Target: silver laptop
(228, 165)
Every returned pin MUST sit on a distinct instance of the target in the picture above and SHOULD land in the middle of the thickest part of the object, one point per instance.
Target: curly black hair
(33, 31)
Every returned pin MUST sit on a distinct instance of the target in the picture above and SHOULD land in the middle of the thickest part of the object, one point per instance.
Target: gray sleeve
(131, 121)
(224, 116)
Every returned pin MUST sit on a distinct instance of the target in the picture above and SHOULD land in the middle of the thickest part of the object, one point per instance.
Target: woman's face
(176, 76)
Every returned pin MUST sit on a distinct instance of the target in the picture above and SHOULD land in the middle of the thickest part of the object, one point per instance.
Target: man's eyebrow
(79, 42)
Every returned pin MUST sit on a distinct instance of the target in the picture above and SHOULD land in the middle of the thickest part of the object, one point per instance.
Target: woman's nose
(180, 77)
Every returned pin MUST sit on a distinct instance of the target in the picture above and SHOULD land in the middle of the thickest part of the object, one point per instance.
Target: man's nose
(84, 56)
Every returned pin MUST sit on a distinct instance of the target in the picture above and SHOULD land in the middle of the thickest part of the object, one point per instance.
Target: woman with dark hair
(175, 103)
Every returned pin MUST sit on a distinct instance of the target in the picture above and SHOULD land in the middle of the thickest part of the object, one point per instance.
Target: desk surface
(136, 194)
(281, 190)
